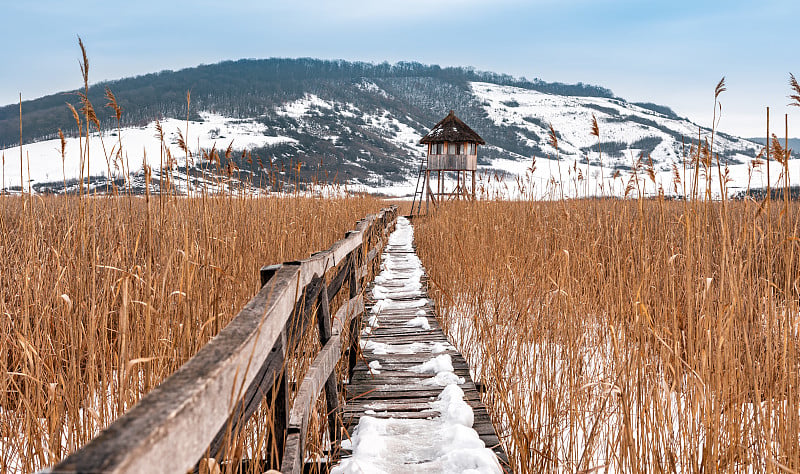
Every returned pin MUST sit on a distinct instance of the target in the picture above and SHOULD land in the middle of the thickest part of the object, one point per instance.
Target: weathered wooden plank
(395, 392)
(354, 282)
(399, 328)
(399, 332)
(293, 453)
(428, 306)
(398, 406)
(309, 390)
(331, 385)
(259, 389)
(410, 359)
(350, 310)
(481, 425)
(172, 426)
(280, 414)
(324, 316)
(404, 336)
(376, 250)
(337, 281)
(391, 361)
(267, 272)
(399, 377)
(412, 415)
(411, 388)
(400, 403)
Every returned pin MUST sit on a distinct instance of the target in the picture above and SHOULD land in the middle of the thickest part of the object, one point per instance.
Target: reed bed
(627, 336)
(102, 298)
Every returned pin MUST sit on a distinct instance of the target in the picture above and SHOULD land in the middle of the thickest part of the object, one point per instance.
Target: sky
(671, 53)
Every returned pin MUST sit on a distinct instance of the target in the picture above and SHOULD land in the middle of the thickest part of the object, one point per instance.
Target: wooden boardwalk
(408, 360)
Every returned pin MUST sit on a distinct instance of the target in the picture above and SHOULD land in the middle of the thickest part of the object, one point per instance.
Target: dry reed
(95, 315)
(622, 336)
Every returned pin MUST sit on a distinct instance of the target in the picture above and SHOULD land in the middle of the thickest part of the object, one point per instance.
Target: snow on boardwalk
(412, 406)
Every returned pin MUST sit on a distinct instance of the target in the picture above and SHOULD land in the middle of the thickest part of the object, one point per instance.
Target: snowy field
(139, 145)
(576, 169)
(553, 179)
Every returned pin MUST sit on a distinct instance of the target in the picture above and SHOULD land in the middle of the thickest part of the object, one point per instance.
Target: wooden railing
(195, 412)
(452, 162)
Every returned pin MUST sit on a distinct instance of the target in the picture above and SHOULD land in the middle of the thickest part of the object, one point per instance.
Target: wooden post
(331, 385)
(473, 185)
(440, 188)
(355, 326)
(280, 411)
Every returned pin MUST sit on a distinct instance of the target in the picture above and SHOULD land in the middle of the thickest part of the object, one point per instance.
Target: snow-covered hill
(139, 146)
(623, 126)
(365, 133)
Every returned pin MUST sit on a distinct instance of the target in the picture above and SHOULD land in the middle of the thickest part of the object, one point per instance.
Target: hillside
(351, 122)
(794, 143)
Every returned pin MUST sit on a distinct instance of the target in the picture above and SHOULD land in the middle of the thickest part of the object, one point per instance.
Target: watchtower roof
(452, 129)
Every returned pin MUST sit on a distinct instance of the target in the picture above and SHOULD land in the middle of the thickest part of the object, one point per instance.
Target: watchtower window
(454, 148)
(437, 148)
(472, 149)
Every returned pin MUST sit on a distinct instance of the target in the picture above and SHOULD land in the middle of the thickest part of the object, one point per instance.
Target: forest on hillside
(247, 88)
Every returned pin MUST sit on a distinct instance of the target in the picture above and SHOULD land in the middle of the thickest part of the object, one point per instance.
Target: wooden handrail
(193, 411)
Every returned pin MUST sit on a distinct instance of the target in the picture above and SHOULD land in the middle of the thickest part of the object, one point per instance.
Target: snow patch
(375, 367)
(300, 107)
(438, 364)
(445, 444)
(419, 322)
(381, 348)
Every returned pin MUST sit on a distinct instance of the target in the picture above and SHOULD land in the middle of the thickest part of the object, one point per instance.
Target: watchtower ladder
(419, 190)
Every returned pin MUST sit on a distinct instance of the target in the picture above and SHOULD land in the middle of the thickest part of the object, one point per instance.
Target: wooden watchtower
(452, 147)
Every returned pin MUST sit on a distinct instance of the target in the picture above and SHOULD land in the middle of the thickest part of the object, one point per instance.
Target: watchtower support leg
(473, 185)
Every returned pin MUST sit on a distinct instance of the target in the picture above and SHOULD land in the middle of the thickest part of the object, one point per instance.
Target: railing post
(353, 276)
(355, 324)
(331, 385)
(375, 237)
(279, 394)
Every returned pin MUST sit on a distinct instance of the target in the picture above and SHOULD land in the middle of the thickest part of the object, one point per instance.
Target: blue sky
(668, 52)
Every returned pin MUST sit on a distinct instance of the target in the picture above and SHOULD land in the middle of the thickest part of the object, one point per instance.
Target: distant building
(452, 148)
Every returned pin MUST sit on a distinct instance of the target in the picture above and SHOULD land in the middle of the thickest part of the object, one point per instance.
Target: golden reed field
(625, 335)
(104, 297)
